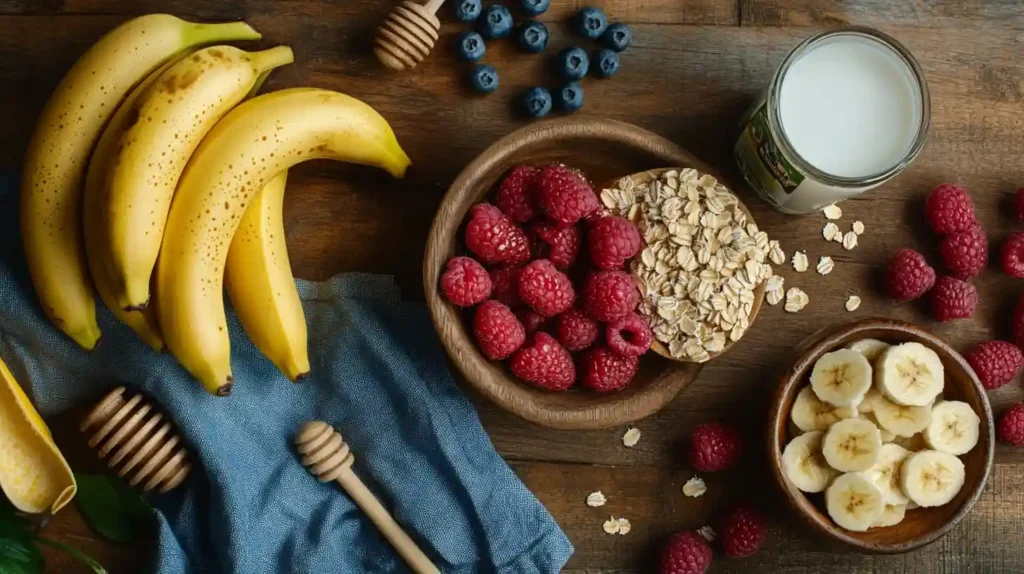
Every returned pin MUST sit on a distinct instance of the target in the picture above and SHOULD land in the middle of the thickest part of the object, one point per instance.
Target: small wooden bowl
(604, 150)
(921, 526)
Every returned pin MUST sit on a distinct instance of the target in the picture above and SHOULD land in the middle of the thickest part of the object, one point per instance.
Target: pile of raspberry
(548, 282)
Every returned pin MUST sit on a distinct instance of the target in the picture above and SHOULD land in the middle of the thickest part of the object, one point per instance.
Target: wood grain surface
(694, 67)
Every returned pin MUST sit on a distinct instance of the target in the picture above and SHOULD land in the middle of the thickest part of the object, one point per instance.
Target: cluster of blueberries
(496, 22)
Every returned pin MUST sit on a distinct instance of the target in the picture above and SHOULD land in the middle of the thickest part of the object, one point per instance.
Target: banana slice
(954, 428)
(885, 435)
(870, 348)
(901, 420)
(891, 516)
(854, 502)
(809, 413)
(910, 374)
(841, 378)
(867, 404)
(885, 473)
(852, 445)
(804, 465)
(931, 478)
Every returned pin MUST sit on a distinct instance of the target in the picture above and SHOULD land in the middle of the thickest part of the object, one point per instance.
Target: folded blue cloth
(378, 375)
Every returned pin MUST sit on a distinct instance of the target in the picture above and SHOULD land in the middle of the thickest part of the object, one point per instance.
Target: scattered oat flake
(832, 212)
(800, 261)
(852, 303)
(611, 526)
(631, 437)
(695, 487)
(829, 231)
(707, 533)
(825, 265)
(596, 499)
(858, 227)
(839, 237)
(624, 526)
(796, 300)
(775, 289)
(775, 252)
(850, 241)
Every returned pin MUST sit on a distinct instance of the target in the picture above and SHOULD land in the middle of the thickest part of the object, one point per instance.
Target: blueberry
(617, 37)
(468, 10)
(484, 78)
(570, 97)
(573, 63)
(471, 46)
(533, 36)
(535, 7)
(537, 102)
(496, 22)
(591, 22)
(607, 62)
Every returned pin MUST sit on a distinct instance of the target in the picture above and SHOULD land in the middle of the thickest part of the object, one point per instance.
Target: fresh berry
(965, 253)
(612, 241)
(531, 321)
(471, 46)
(505, 283)
(714, 446)
(908, 275)
(591, 22)
(603, 370)
(537, 102)
(576, 330)
(952, 298)
(685, 553)
(743, 532)
(544, 363)
(564, 196)
(515, 197)
(570, 97)
(532, 37)
(1012, 256)
(1011, 425)
(484, 78)
(498, 332)
(996, 363)
(466, 282)
(560, 245)
(495, 238)
(573, 63)
(630, 336)
(535, 7)
(495, 22)
(949, 209)
(545, 289)
(607, 62)
(1018, 204)
(468, 10)
(617, 37)
(610, 295)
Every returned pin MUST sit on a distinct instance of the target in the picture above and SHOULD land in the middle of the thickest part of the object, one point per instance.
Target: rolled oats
(596, 499)
(832, 212)
(774, 290)
(796, 300)
(694, 487)
(838, 238)
(850, 241)
(611, 526)
(775, 253)
(853, 303)
(624, 526)
(707, 533)
(631, 437)
(858, 227)
(800, 261)
(829, 231)
(825, 265)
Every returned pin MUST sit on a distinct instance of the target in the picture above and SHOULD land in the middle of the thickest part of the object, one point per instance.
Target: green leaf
(18, 554)
(111, 507)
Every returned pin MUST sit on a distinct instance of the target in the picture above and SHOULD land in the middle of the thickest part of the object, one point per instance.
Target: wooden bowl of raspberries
(527, 277)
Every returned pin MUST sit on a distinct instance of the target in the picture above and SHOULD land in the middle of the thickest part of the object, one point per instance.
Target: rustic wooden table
(694, 67)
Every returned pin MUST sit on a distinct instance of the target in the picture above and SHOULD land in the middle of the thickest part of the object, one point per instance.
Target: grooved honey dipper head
(407, 35)
(323, 451)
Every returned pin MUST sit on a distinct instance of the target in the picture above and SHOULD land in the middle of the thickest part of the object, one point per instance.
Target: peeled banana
(854, 502)
(809, 413)
(901, 420)
(852, 445)
(932, 478)
(885, 473)
(954, 428)
(910, 374)
(841, 378)
(872, 349)
(804, 465)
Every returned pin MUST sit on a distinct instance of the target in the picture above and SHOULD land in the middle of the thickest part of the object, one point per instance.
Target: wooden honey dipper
(408, 34)
(329, 458)
(142, 444)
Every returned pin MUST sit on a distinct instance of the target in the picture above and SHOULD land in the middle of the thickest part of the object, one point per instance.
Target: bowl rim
(822, 341)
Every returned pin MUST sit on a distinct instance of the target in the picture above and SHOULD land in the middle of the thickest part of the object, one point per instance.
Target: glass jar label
(761, 162)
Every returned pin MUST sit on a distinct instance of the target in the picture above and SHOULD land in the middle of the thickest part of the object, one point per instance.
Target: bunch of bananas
(154, 175)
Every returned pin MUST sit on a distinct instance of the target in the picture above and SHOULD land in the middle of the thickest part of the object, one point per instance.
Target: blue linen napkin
(378, 375)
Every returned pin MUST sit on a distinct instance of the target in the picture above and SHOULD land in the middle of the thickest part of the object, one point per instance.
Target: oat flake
(796, 300)
(624, 526)
(631, 437)
(829, 231)
(850, 241)
(852, 303)
(611, 526)
(800, 261)
(596, 499)
(858, 227)
(832, 212)
(707, 533)
(838, 237)
(825, 265)
(694, 487)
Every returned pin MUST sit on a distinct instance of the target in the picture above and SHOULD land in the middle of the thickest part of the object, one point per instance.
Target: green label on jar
(763, 166)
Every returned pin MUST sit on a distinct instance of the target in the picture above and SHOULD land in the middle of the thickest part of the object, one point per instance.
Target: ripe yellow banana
(258, 277)
(164, 127)
(245, 150)
(58, 154)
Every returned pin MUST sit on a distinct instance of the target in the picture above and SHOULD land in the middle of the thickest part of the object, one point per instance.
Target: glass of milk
(846, 111)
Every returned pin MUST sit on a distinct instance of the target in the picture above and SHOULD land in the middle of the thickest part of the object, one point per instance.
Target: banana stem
(275, 57)
(226, 32)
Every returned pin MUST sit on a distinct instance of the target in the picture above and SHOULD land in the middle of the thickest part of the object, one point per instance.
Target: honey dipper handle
(433, 6)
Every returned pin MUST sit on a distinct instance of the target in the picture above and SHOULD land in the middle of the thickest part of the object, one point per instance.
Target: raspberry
(494, 238)
(544, 363)
(908, 275)
(952, 298)
(531, 321)
(714, 446)
(560, 245)
(1018, 204)
(1011, 425)
(949, 209)
(506, 286)
(612, 241)
(545, 289)
(576, 330)
(743, 532)
(602, 369)
(466, 282)
(1012, 256)
(1018, 323)
(515, 197)
(965, 253)
(996, 363)
(610, 295)
(497, 330)
(564, 196)
(630, 335)
(685, 553)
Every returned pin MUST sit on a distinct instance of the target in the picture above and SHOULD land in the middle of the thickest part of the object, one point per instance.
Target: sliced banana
(867, 404)
(810, 413)
(910, 374)
(954, 428)
(841, 378)
(852, 445)
(884, 434)
(932, 478)
(901, 420)
(891, 516)
(885, 473)
(870, 348)
(804, 465)
(854, 502)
